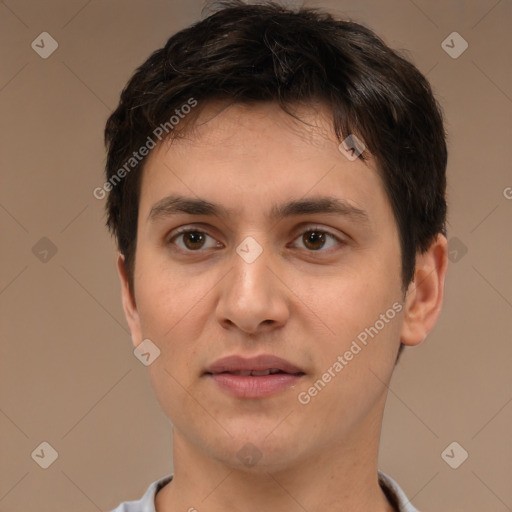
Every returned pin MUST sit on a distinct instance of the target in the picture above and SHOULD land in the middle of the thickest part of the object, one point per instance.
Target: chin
(259, 453)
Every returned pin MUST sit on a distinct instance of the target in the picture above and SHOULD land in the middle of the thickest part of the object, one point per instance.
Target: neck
(338, 477)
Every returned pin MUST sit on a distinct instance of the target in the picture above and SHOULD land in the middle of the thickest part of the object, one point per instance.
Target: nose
(252, 298)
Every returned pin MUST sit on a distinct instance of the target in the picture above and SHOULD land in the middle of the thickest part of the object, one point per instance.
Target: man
(276, 186)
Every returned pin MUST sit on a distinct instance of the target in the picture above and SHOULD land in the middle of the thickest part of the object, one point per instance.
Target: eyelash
(316, 229)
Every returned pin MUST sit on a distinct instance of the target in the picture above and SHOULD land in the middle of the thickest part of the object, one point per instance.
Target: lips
(256, 377)
(265, 364)
(256, 373)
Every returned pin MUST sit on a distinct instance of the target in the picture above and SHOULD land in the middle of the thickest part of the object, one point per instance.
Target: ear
(129, 305)
(424, 297)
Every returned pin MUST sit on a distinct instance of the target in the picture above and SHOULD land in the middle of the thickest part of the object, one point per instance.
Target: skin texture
(304, 305)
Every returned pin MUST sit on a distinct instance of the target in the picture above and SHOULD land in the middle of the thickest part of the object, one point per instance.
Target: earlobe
(129, 304)
(424, 297)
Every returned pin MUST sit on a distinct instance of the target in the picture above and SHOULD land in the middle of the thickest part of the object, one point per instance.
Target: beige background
(68, 373)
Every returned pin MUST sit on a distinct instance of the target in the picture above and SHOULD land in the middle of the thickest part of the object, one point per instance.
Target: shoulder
(147, 502)
(395, 494)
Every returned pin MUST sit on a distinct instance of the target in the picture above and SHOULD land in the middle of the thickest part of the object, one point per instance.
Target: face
(292, 251)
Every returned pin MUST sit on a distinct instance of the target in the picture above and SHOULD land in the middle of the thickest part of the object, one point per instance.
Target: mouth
(255, 377)
(255, 373)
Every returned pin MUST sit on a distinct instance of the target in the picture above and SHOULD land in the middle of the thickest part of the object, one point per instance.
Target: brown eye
(193, 240)
(314, 240)
(317, 240)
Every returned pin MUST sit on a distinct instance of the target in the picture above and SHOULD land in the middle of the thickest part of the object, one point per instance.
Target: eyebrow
(176, 204)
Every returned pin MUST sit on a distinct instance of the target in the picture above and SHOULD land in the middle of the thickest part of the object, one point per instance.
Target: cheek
(174, 308)
(169, 304)
(366, 318)
(354, 299)
(165, 297)
(363, 308)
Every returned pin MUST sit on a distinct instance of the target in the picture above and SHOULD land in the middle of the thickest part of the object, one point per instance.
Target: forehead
(243, 129)
(250, 158)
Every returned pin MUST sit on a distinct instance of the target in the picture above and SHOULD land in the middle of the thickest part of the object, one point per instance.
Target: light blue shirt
(147, 503)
